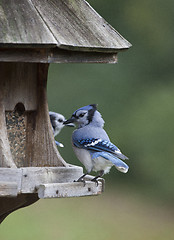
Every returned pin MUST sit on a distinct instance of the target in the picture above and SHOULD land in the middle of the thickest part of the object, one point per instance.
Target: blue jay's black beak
(69, 122)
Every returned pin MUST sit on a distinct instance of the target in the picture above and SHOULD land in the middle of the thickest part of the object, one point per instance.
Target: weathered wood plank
(41, 149)
(48, 182)
(64, 56)
(75, 189)
(6, 159)
(77, 26)
(24, 55)
(68, 24)
(8, 189)
(18, 84)
(29, 180)
(10, 175)
(55, 55)
(20, 23)
(32, 177)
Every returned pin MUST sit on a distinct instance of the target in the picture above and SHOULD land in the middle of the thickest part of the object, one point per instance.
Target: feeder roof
(66, 24)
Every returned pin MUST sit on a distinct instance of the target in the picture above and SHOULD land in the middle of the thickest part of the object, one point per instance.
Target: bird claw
(95, 180)
(81, 180)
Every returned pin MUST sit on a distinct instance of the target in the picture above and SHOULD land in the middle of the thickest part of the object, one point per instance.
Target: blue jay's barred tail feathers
(97, 144)
(119, 164)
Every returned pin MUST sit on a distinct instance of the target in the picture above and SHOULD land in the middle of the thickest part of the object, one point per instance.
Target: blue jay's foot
(81, 179)
(95, 179)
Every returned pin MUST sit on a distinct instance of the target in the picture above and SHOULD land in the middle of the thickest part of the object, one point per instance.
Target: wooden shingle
(77, 26)
(68, 24)
(22, 26)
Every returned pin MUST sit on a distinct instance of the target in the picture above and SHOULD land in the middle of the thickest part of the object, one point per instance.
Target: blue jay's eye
(60, 120)
(81, 115)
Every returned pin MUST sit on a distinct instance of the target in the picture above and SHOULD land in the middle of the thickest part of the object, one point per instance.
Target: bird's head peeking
(57, 122)
(86, 115)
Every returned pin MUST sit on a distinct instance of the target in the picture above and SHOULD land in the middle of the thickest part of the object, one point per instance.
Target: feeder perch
(34, 33)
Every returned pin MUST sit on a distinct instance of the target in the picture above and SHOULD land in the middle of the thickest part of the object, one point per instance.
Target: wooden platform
(47, 182)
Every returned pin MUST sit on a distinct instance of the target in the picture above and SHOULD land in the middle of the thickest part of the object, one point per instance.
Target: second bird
(57, 122)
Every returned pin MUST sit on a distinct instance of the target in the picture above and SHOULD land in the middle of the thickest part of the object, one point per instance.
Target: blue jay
(91, 143)
(57, 122)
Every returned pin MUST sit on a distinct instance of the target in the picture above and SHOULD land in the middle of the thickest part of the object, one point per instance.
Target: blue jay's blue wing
(119, 164)
(99, 145)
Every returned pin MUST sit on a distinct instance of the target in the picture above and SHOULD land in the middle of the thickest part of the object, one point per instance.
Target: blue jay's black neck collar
(91, 112)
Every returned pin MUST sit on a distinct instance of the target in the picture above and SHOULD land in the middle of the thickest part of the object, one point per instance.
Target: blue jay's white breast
(56, 131)
(84, 157)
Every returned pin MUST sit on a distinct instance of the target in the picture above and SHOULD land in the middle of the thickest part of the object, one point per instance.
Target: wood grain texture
(48, 182)
(76, 189)
(6, 159)
(27, 179)
(77, 26)
(21, 24)
(29, 133)
(64, 56)
(11, 175)
(33, 177)
(55, 55)
(8, 189)
(41, 149)
(67, 24)
(18, 84)
(24, 55)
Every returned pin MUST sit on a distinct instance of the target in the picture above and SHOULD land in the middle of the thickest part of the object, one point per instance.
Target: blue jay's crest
(88, 107)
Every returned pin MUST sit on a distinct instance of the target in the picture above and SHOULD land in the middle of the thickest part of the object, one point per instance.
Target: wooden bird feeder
(34, 33)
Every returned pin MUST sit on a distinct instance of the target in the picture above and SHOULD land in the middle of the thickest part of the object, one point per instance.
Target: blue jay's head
(57, 122)
(86, 115)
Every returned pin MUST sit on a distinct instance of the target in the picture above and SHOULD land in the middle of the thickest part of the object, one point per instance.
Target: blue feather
(119, 164)
(97, 144)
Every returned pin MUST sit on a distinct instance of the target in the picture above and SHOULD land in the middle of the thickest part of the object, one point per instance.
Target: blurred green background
(136, 99)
